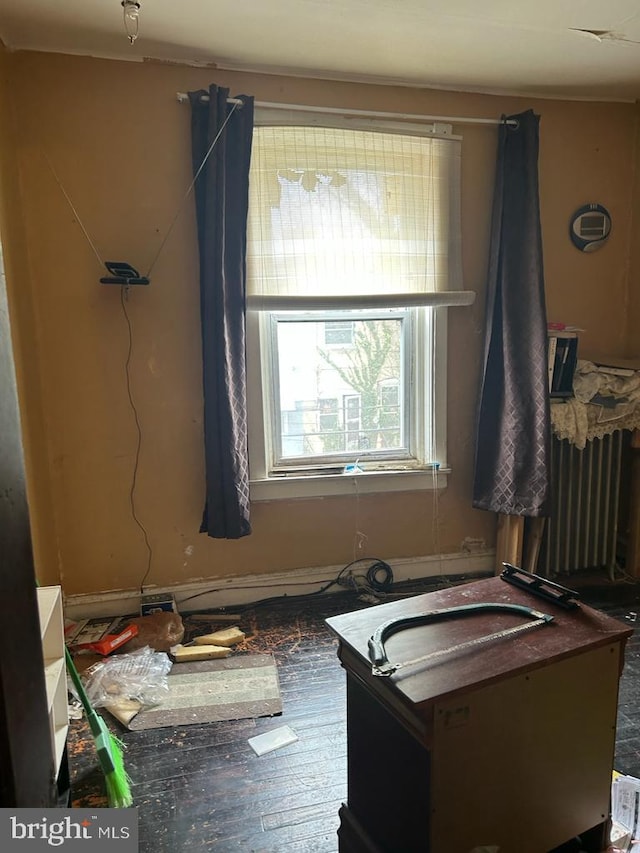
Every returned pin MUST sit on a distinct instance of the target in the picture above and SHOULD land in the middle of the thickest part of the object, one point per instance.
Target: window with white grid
(353, 255)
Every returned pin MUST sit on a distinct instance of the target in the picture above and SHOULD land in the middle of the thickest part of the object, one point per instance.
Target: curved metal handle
(378, 653)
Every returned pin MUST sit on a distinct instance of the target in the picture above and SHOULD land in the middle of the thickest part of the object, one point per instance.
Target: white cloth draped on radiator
(603, 402)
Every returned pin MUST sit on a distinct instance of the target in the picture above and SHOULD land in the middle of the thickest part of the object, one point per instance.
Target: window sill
(363, 483)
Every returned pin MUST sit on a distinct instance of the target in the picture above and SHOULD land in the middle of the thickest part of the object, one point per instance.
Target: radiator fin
(582, 531)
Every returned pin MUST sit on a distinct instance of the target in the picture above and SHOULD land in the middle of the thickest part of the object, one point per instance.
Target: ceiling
(583, 49)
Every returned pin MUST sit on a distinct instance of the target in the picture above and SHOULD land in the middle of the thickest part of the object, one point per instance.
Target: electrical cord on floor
(377, 583)
(377, 580)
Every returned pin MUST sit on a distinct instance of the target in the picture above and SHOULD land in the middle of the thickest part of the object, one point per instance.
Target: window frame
(268, 484)
(278, 462)
(272, 485)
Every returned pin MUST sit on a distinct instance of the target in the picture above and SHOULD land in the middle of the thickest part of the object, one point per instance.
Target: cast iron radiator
(582, 531)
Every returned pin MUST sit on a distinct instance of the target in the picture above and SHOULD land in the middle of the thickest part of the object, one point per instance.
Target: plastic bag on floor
(140, 675)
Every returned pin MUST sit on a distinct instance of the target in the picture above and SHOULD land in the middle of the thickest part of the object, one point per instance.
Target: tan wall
(119, 143)
(632, 337)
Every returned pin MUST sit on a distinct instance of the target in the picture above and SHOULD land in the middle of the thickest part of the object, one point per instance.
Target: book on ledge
(562, 355)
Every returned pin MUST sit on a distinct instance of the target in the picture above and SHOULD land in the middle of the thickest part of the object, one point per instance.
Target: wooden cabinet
(52, 636)
(507, 744)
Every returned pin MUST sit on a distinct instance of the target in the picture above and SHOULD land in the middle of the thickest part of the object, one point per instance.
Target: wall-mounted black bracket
(122, 273)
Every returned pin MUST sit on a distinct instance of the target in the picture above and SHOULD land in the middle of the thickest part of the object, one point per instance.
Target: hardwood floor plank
(247, 840)
(299, 814)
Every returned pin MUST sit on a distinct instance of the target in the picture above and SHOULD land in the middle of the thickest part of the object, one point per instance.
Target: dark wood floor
(201, 787)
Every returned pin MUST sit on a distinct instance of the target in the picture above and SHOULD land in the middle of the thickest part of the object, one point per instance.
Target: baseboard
(229, 591)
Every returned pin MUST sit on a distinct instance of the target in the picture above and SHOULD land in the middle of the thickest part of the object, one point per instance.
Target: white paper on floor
(274, 739)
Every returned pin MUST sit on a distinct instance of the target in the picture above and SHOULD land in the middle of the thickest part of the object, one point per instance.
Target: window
(352, 258)
(364, 374)
(338, 333)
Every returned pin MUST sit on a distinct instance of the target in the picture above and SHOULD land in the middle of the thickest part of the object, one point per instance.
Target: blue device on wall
(590, 227)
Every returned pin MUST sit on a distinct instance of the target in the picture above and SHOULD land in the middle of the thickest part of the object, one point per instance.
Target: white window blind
(344, 218)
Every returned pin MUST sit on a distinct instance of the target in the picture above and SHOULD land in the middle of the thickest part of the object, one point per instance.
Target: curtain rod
(183, 97)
